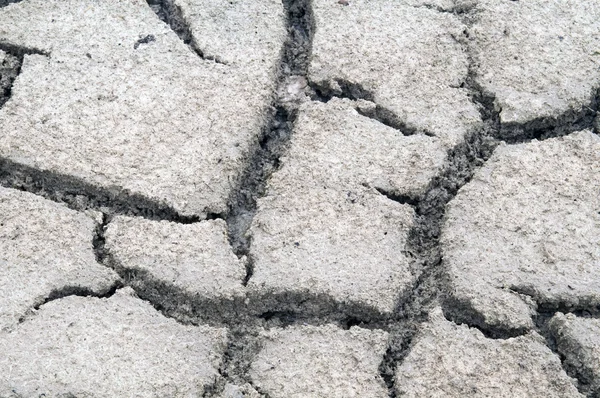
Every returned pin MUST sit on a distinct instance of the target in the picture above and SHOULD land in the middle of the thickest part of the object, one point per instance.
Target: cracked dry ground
(361, 198)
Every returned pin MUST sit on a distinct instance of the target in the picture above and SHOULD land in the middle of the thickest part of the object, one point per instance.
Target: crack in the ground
(76, 193)
(365, 104)
(541, 128)
(10, 67)
(71, 290)
(541, 320)
(170, 13)
(544, 128)
(4, 3)
(80, 195)
(276, 133)
(424, 245)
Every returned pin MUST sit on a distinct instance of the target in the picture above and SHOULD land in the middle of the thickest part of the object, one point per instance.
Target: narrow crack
(71, 290)
(584, 381)
(4, 3)
(544, 128)
(402, 199)
(365, 104)
(170, 13)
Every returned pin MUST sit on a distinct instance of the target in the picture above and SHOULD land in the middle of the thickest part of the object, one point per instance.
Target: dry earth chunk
(325, 361)
(116, 347)
(527, 228)
(193, 258)
(249, 33)
(578, 340)
(448, 360)
(128, 115)
(309, 241)
(336, 145)
(538, 58)
(45, 248)
(405, 59)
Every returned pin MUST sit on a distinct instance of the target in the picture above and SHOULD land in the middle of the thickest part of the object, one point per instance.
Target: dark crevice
(80, 195)
(462, 312)
(4, 3)
(262, 164)
(72, 290)
(170, 13)
(276, 132)
(402, 199)
(99, 241)
(79, 291)
(10, 67)
(21, 51)
(549, 127)
(538, 129)
(583, 380)
(424, 246)
(583, 307)
(366, 106)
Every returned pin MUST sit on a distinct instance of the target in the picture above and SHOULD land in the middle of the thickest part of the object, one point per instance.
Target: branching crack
(365, 104)
(170, 13)
(424, 246)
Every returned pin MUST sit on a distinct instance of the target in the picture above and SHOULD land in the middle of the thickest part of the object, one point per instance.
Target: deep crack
(170, 13)
(276, 132)
(424, 246)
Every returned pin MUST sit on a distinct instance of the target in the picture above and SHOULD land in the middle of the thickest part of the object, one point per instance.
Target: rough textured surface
(538, 58)
(414, 69)
(90, 347)
(309, 361)
(195, 258)
(45, 248)
(293, 161)
(310, 240)
(338, 147)
(578, 341)
(125, 118)
(527, 226)
(448, 360)
(248, 33)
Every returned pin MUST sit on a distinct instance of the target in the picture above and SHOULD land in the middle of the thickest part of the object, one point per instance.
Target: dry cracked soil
(299, 198)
